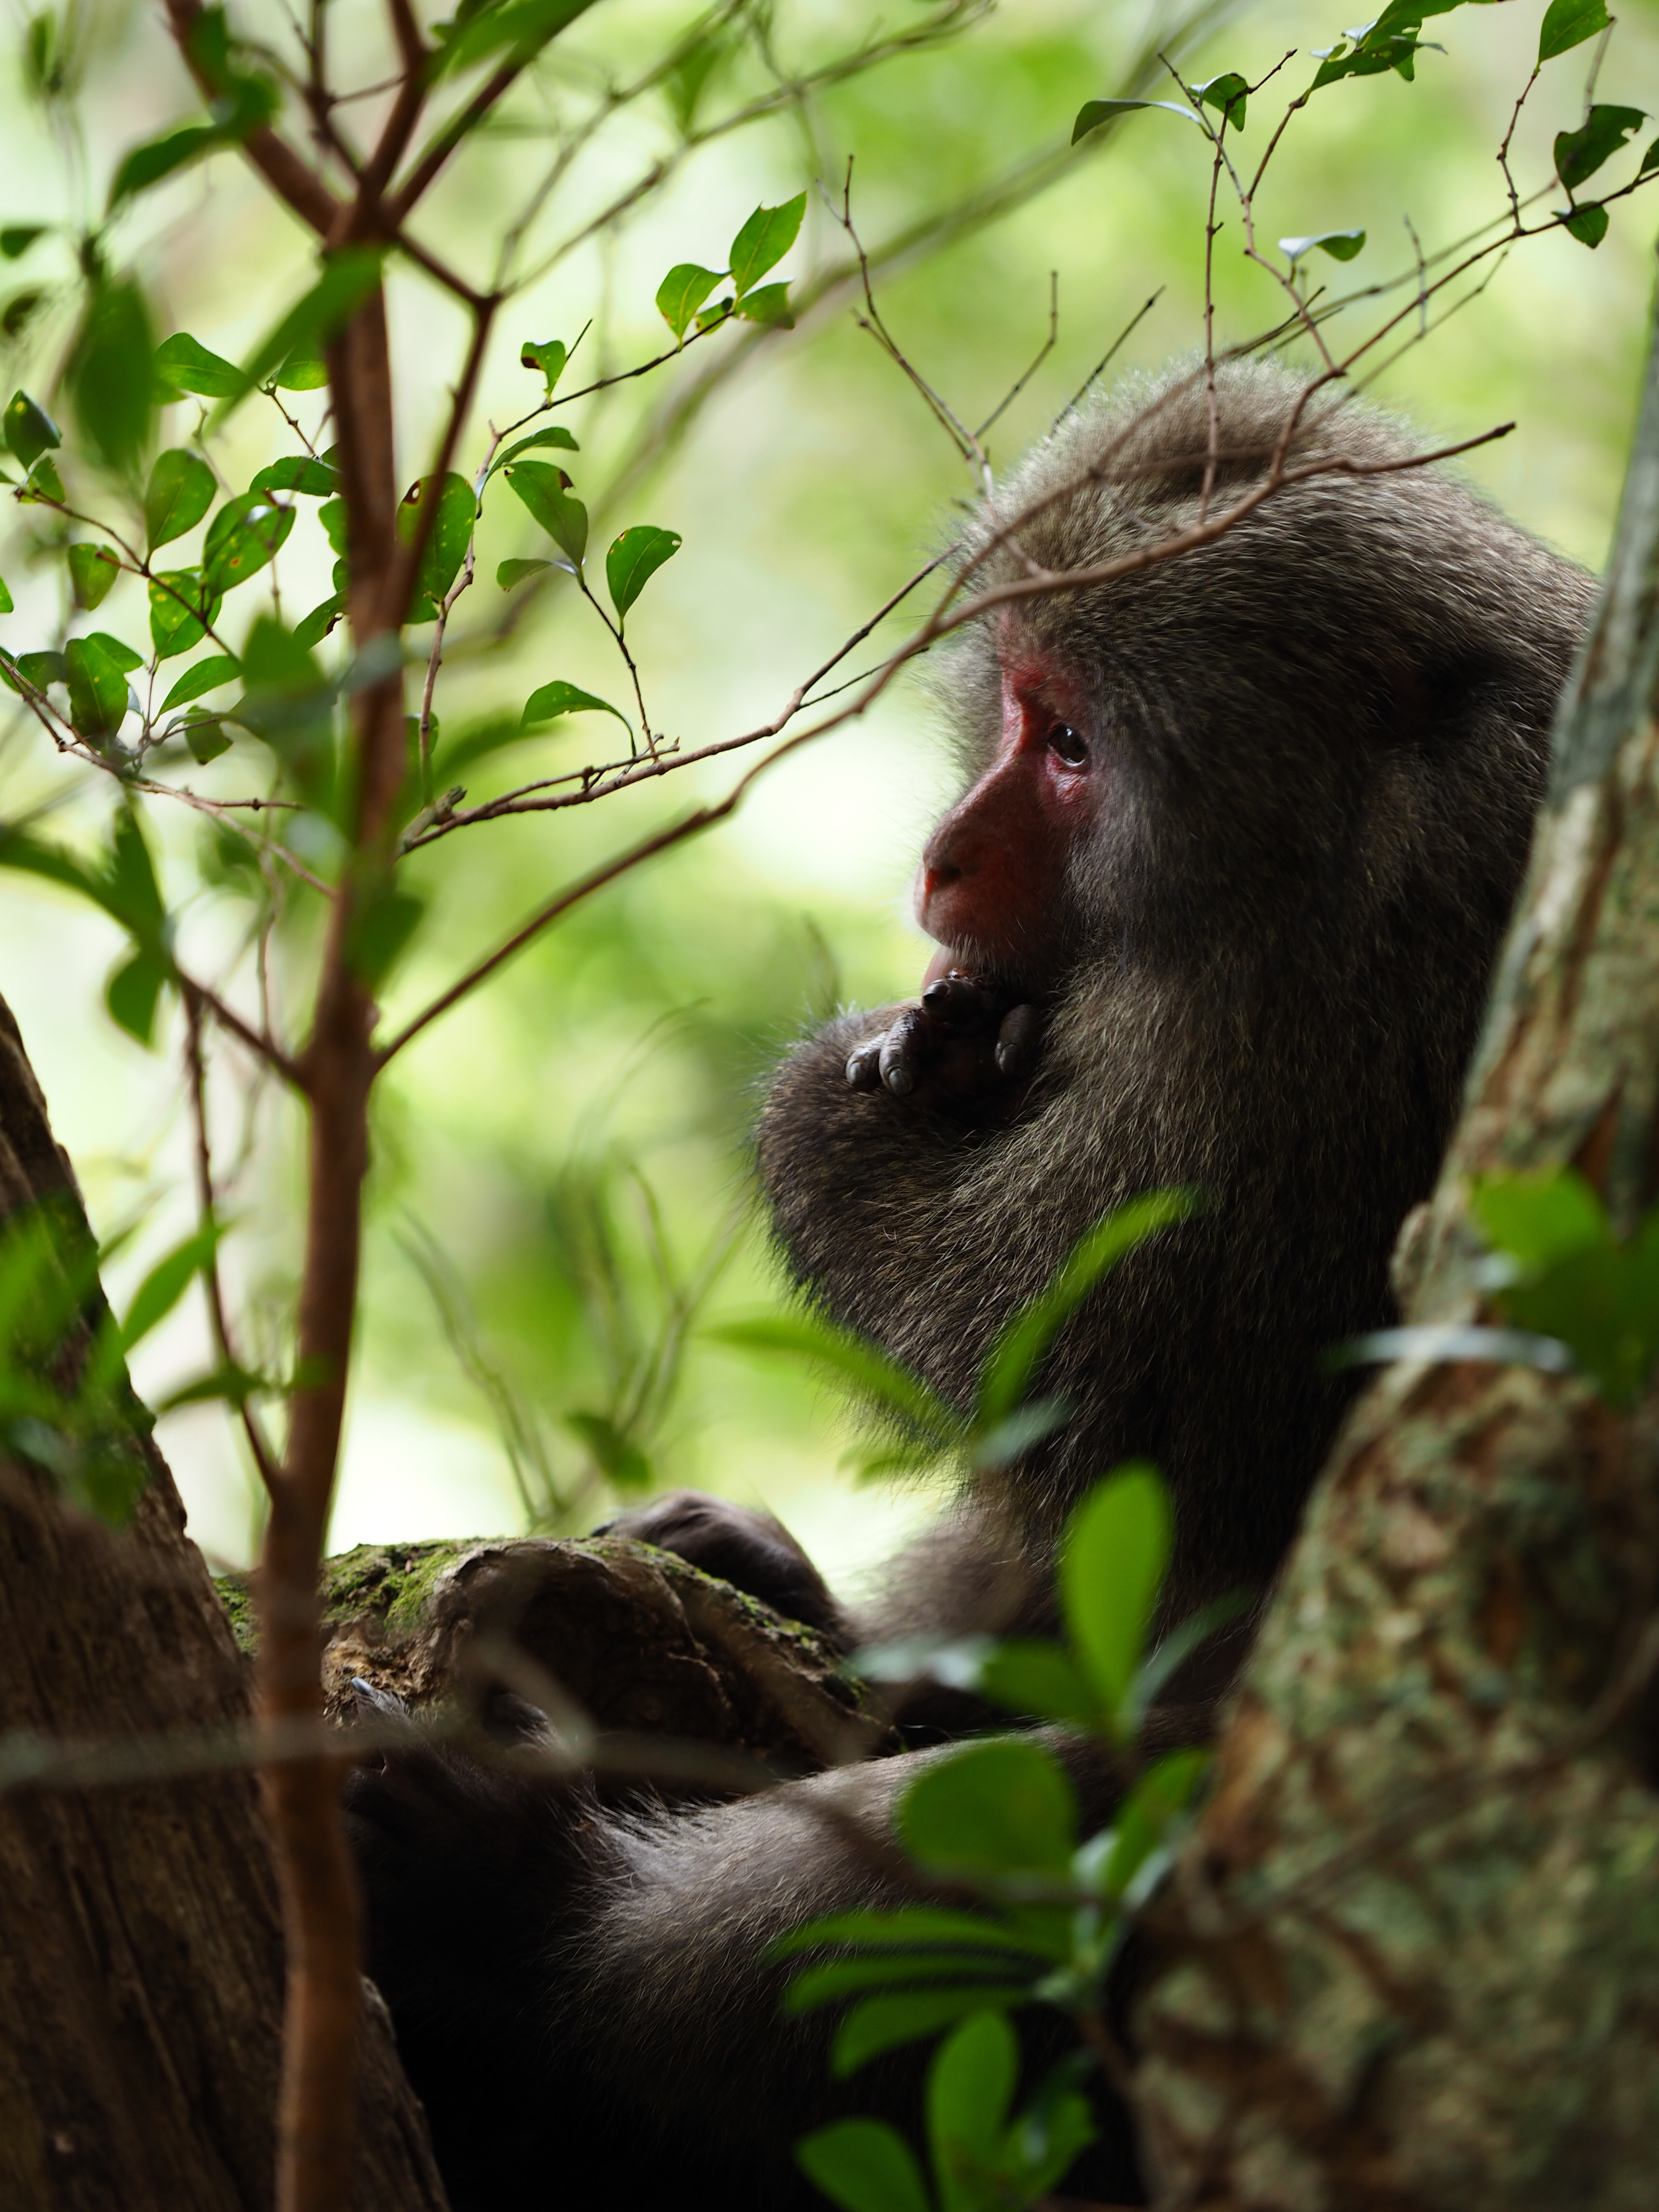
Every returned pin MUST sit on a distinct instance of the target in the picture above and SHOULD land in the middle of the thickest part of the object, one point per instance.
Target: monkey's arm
(581, 1999)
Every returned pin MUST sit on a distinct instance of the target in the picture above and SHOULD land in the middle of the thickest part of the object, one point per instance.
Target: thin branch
(1043, 352)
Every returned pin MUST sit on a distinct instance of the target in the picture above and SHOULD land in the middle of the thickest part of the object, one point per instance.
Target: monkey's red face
(991, 881)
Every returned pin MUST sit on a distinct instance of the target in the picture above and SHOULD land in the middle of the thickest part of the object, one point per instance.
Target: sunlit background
(560, 1202)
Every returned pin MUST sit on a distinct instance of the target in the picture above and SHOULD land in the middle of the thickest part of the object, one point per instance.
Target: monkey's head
(1283, 732)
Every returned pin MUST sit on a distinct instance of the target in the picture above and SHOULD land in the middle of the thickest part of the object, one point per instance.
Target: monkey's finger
(1018, 1039)
(904, 1051)
(954, 1001)
(864, 1065)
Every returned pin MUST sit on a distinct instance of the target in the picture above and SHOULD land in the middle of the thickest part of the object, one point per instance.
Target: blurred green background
(560, 1201)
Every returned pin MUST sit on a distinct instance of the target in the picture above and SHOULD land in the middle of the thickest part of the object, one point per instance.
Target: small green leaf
(206, 676)
(44, 483)
(245, 533)
(548, 356)
(348, 275)
(97, 690)
(180, 608)
(166, 1283)
(305, 370)
(544, 492)
(555, 434)
(1036, 1678)
(624, 1465)
(132, 995)
(1094, 113)
(289, 702)
(446, 547)
(1001, 1806)
(149, 164)
(114, 650)
(1111, 1569)
(827, 1984)
(93, 569)
(16, 238)
(763, 242)
(333, 516)
(554, 700)
(873, 1927)
(41, 669)
(178, 494)
(1341, 245)
(708, 317)
(205, 736)
(1227, 93)
(311, 629)
(108, 374)
(1650, 159)
(769, 307)
(876, 2024)
(863, 2165)
(6, 603)
(1588, 224)
(511, 573)
(681, 293)
(1568, 23)
(633, 559)
(525, 26)
(182, 361)
(1579, 154)
(853, 1360)
(298, 473)
(29, 429)
(970, 2086)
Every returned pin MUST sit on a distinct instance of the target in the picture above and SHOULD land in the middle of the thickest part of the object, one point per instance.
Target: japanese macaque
(1241, 832)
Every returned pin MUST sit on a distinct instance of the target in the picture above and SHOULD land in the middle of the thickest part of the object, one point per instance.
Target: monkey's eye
(1067, 747)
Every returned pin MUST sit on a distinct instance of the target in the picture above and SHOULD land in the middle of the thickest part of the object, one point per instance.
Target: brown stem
(269, 153)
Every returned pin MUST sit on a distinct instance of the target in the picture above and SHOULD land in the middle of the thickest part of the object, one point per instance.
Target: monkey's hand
(751, 1551)
(967, 1034)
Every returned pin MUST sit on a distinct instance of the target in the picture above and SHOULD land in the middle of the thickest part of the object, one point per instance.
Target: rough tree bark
(141, 1947)
(1414, 1946)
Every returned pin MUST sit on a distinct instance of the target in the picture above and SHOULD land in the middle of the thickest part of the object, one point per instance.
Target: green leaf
(6, 603)
(970, 2086)
(1541, 1217)
(1025, 1339)
(29, 429)
(863, 2165)
(381, 927)
(44, 482)
(206, 676)
(1341, 245)
(289, 702)
(1038, 1678)
(554, 700)
(525, 26)
(1568, 23)
(1001, 1806)
(114, 649)
(708, 317)
(178, 494)
(1588, 224)
(133, 895)
(1094, 113)
(305, 369)
(1161, 1795)
(97, 690)
(41, 669)
(180, 608)
(1566, 1275)
(876, 2024)
(16, 238)
(854, 1360)
(1579, 154)
(681, 293)
(1111, 1569)
(549, 356)
(311, 629)
(1226, 92)
(132, 995)
(633, 559)
(511, 573)
(816, 1986)
(333, 516)
(298, 473)
(555, 434)
(109, 375)
(246, 532)
(446, 548)
(763, 242)
(93, 569)
(769, 307)
(347, 277)
(182, 361)
(543, 489)
(166, 1283)
(873, 1927)
(205, 736)
(624, 1465)
(162, 157)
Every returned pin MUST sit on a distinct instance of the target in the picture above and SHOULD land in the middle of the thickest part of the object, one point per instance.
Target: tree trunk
(1413, 1946)
(141, 1951)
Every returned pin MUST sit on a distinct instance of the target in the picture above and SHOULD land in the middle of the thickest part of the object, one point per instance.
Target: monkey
(1239, 837)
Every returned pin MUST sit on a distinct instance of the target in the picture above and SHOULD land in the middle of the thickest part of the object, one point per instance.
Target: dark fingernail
(1017, 1040)
(898, 1080)
(864, 1067)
